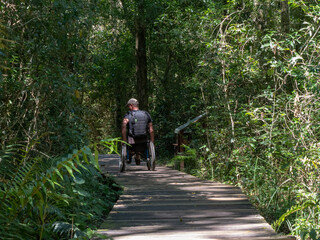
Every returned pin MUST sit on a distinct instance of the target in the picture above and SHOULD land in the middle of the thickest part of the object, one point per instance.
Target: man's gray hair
(133, 102)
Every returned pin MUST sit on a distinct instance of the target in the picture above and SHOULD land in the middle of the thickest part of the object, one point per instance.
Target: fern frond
(64, 229)
(292, 210)
(34, 190)
(15, 230)
(111, 145)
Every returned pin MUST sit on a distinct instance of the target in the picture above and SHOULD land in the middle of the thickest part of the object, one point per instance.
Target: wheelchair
(140, 151)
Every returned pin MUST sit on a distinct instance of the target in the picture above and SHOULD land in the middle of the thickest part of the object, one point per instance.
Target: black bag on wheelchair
(138, 125)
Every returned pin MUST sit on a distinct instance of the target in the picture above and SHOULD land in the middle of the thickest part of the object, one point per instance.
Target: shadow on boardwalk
(168, 204)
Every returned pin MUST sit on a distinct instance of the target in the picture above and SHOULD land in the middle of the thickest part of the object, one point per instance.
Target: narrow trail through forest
(168, 204)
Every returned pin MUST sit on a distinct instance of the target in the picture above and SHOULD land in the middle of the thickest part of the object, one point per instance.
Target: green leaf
(79, 180)
(96, 158)
(313, 234)
(69, 169)
(58, 173)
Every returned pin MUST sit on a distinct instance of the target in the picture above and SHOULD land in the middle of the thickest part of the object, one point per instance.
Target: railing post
(181, 165)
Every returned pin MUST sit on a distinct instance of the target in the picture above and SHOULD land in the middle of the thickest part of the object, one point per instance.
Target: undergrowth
(286, 193)
(54, 198)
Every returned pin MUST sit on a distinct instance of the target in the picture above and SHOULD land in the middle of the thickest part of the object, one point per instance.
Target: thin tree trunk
(285, 16)
(225, 85)
(141, 57)
(259, 16)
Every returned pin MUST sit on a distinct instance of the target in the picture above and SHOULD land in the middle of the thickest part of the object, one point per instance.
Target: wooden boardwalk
(168, 204)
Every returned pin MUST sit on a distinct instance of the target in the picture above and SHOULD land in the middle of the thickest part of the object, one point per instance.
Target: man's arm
(151, 132)
(124, 129)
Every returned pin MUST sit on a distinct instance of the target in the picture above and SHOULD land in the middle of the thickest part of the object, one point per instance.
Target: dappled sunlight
(174, 205)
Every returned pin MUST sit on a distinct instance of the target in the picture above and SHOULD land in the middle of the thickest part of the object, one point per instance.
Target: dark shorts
(138, 144)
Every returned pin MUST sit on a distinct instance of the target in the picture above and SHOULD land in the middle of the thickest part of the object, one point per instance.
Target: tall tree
(49, 60)
(141, 55)
(285, 16)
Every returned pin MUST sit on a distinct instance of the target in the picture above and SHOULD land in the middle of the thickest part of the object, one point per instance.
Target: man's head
(133, 104)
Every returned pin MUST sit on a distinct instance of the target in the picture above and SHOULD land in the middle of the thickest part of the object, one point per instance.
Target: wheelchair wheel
(123, 157)
(149, 163)
(152, 157)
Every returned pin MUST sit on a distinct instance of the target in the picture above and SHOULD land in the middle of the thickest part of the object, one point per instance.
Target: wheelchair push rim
(151, 163)
(123, 157)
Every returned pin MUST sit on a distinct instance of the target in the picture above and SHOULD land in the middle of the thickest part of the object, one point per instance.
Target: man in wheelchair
(137, 130)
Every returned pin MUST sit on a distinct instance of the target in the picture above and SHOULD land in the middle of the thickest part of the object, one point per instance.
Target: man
(139, 125)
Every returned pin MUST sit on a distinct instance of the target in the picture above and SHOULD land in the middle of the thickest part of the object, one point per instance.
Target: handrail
(178, 129)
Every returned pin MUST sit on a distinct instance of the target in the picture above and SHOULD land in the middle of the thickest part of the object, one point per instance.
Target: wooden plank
(184, 207)
(257, 219)
(215, 197)
(192, 235)
(168, 204)
(180, 214)
(183, 202)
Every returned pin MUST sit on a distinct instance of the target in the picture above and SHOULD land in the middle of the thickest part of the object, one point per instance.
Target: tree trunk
(259, 15)
(141, 57)
(285, 16)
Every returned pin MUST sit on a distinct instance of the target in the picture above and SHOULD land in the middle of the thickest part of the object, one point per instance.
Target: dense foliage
(261, 90)
(53, 198)
(68, 68)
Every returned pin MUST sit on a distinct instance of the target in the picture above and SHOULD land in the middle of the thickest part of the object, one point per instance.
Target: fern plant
(42, 197)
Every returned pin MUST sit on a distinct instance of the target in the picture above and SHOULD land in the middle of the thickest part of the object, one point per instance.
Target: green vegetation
(68, 67)
(53, 198)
